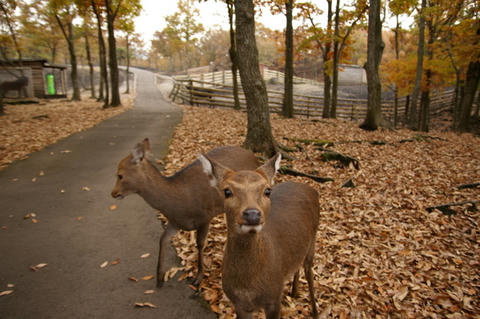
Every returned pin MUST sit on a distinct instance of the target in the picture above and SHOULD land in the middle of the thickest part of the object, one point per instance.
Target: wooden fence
(217, 94)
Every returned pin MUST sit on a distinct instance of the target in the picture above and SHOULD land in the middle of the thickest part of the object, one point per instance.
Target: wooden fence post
(190, 89)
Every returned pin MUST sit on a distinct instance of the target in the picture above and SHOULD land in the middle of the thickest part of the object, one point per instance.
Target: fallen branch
(328, 156)
(472, 185)
(288, 171)
(446, 210)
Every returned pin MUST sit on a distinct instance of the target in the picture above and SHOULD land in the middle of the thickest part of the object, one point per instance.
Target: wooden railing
(217, 94)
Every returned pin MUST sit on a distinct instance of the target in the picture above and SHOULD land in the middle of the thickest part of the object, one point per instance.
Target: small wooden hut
(44, 80)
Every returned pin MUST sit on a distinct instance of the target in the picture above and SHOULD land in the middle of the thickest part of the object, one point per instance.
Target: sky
(213, 14)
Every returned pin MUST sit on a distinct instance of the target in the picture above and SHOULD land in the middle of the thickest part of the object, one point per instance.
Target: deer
(186, 199)
(270, 233)
(19, 85)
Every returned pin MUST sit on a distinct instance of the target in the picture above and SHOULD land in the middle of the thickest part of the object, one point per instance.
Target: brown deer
(186, 199)
(271, 232)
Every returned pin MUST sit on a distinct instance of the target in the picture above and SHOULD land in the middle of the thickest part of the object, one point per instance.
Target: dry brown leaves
(28, 128)
(379, 253)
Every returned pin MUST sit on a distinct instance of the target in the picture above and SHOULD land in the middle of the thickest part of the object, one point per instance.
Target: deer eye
(228, 193)
(267, 192)
(120, 176)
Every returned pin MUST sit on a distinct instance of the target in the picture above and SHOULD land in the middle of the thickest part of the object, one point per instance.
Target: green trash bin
(50, 84)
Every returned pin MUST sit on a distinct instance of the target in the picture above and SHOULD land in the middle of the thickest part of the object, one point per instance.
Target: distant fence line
(217, 92)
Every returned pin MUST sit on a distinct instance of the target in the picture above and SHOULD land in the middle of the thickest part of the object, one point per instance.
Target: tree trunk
(103, 93)
(127, 91)
(424, 116)
(412, 122)
(287, 109)
(233, 56)
(468, 95)
(259, 134)
(397, 57)
(375, 47)
(112, 55)
(69, 37)
(90, 64)
(327, 82)
(336, 56)
(472, 81)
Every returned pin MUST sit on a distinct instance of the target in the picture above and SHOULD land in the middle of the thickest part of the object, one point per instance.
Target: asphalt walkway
(67, 186)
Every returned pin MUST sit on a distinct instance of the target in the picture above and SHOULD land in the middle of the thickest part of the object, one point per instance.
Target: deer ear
(141, 151)
(270, 167)
(214, 170)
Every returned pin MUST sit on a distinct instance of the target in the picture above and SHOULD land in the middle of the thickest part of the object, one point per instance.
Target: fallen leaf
(145, 255)
(34, 220)
(149, 277)
(133, 279)
(66, 151)
(80, 218)
(4, 227)
(10, 286)
(42, 173)
(401, 293)
(105, 264)
(85, 188)
(6, 292)
(38, 267)
(34, 179)
(145, 305)
(62, 191)
(148, 292)
(112, 207)
(116, 261)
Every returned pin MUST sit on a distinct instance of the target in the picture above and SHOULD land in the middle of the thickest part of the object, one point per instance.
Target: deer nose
(252, 216)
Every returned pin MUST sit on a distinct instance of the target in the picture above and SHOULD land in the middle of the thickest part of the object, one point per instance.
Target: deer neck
(157, 190)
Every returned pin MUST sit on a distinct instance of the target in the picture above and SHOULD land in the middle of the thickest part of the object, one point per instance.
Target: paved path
(73, 285)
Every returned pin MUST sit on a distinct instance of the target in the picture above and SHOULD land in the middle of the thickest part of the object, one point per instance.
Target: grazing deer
(19, 84)
(186, 199)
(271, 232)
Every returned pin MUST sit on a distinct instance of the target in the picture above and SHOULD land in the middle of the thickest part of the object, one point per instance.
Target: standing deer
(270, 233)
(186, 199)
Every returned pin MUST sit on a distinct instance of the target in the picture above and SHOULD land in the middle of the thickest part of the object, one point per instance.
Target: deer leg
(294, 292)
(273, 310)
(202, 233)
(163, 245)
(243, 314)
(307, 264)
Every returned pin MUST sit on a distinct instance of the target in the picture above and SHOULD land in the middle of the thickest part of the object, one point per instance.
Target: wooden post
(190, 89)
(223, 77)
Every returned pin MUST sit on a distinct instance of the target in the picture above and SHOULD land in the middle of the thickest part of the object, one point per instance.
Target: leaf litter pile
(28, 128)
(380, 253)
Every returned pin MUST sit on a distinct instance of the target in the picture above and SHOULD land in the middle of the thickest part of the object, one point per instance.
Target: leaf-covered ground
(379, 253)
(27, 128)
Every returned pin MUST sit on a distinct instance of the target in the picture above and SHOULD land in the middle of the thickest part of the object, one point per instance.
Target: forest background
(328, 33)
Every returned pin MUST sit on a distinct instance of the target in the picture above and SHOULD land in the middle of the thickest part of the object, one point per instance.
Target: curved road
(76, 232)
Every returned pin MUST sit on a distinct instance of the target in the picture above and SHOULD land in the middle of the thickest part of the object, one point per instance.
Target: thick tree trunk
(397, 57)
(468, 95)
(287, 109)
(259, 135)
(336, 57)
(112, 56)
(90, 64)
(413, 116)
(233, 56)
(374, 56)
